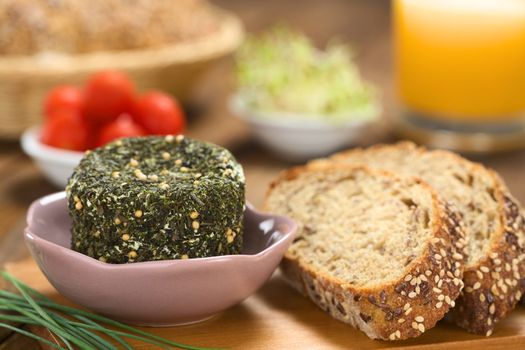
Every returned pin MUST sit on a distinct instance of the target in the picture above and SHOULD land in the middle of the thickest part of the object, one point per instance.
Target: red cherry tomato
(123, 126)
(159, 114)
(108, 94)
(63, 98)
(66, 129)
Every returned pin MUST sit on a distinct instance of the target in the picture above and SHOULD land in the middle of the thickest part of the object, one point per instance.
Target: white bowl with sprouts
(296, 137)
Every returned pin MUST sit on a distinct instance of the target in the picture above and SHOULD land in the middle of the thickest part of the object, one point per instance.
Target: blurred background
(276, 82)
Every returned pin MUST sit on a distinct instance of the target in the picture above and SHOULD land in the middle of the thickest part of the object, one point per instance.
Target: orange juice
(461, 60)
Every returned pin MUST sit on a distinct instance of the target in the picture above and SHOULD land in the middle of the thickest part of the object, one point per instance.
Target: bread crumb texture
(377, 251)
(491, 217)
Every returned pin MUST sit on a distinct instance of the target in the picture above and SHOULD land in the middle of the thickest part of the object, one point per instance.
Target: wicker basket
(24, 81)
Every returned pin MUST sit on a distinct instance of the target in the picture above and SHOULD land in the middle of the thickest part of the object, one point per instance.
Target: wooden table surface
(364, 23)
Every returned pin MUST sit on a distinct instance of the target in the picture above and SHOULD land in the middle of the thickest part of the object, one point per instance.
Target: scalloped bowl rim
(151, 264)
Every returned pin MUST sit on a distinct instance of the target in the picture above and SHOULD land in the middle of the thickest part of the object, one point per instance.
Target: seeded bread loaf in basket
(79, 26)
(494, 227)
(379, 252)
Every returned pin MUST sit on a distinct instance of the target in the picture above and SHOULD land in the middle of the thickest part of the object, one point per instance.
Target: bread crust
(495, 283)
(403, 308)
(30, 27)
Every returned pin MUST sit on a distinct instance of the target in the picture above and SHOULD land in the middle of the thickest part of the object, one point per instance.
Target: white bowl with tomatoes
(106, 108)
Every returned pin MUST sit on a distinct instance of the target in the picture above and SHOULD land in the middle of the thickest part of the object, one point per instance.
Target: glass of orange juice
(460, 72)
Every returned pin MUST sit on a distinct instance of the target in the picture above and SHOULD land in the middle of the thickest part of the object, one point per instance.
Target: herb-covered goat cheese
(156, 198)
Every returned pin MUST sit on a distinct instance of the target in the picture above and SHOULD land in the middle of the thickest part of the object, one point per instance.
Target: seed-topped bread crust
(402, 306)
(495, 272)
(32, 27)
(496, 283)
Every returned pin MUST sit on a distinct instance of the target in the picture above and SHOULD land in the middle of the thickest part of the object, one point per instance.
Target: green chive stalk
(75, 328)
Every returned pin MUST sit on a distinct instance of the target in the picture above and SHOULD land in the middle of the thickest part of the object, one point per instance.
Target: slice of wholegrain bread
(374, 250)
(495, 270)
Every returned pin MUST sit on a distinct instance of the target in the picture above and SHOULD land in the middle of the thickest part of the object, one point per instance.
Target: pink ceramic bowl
(157, 293)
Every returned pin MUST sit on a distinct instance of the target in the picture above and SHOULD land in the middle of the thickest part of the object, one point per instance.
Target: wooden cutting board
(277, 317)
